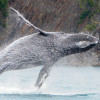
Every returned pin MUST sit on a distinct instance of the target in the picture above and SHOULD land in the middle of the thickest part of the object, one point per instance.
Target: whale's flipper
(44, 73)
(26, 21)
(42, 32)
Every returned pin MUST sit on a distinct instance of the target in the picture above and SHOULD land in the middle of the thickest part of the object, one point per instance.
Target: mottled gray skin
(43, 49)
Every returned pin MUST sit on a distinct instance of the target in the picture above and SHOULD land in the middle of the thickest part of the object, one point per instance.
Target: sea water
(64, 83)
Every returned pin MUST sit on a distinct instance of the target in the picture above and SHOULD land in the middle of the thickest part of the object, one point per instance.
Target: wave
(18, 91)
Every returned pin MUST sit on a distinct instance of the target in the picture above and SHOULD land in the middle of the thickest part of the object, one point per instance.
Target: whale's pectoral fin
(44, 73)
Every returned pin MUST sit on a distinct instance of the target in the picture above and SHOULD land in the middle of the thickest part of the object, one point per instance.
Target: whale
(43, 49)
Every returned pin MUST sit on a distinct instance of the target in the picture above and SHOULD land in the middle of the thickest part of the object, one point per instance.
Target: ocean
(64, 83)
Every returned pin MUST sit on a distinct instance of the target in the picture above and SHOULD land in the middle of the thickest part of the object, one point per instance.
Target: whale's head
(77, 43)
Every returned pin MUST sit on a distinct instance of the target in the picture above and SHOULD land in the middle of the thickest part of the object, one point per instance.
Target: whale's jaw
(90, 45)
(78, 43)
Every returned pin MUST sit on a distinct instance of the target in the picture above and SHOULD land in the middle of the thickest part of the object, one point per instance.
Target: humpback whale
(42, 49)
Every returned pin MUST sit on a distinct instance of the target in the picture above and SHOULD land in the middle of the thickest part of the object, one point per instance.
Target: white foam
(4, 90)
(10, 90)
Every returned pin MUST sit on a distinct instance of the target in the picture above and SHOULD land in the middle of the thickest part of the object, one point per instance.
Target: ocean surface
(64, 83)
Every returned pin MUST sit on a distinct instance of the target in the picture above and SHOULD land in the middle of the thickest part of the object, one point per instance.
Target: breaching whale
(43, 49)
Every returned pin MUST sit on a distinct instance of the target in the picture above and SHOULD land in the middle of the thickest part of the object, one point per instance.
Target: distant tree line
(89, 9)
(3, 12)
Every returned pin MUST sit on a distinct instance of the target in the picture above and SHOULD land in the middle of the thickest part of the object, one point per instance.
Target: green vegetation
(89, 9)
(3, 12)
(84, 3)
(91, 27)
(3, 4)
(83, 16)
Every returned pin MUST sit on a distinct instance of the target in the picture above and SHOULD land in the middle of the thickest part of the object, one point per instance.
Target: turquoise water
(64, 83)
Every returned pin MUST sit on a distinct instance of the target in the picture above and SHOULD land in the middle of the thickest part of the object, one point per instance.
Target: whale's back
(32, 49)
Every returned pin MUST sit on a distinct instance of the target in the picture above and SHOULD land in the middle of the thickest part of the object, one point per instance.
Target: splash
(5, 90)
(22, 82)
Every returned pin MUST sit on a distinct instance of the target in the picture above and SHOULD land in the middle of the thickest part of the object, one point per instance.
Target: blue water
(64, 83)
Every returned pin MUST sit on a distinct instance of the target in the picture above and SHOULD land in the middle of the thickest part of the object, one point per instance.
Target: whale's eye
(83, 44)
